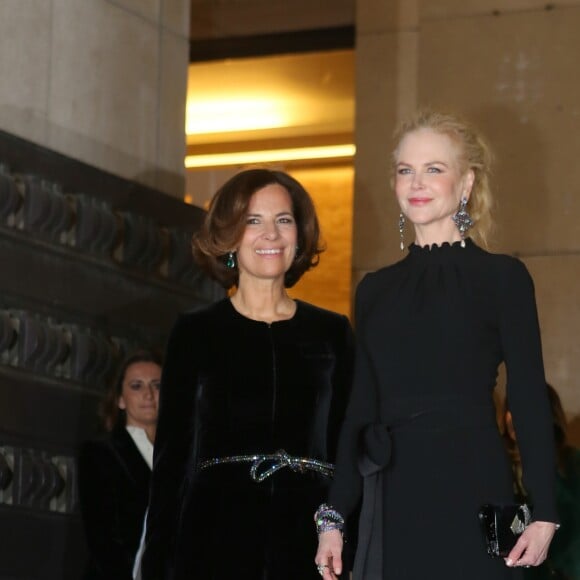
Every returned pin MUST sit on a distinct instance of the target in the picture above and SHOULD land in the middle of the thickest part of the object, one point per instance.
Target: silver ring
(321, 567)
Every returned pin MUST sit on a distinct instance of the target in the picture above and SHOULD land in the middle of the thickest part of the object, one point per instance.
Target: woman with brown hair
(253, 392)
(420, 443)
(115, 470)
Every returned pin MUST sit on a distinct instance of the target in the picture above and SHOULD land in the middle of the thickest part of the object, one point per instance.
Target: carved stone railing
(91, 267)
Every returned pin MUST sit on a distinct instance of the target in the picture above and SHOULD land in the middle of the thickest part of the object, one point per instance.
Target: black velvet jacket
(114, 489)
(233, 386)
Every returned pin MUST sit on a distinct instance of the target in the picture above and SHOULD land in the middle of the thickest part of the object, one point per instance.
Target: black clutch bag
(502, 525)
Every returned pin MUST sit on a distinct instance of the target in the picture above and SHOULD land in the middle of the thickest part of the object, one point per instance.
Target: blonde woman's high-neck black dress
(421, 436)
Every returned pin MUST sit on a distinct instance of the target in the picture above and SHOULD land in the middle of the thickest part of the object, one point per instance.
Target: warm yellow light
(229, 115)
(249, 157)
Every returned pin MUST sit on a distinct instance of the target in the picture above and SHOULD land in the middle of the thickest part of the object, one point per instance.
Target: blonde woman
(420, 442)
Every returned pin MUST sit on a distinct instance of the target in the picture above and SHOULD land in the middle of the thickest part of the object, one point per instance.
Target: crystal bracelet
(327, 518)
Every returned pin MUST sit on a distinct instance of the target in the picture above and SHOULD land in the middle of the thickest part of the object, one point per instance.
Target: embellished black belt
(264, 465)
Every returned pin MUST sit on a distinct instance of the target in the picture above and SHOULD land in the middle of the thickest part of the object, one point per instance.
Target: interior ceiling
(305, 95)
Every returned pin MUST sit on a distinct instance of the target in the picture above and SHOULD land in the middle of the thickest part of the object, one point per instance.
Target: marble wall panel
(25, 53)
(175, 16)
(382, 16)
(104, 82)
(448, 9)
(104, 86)
(171, 114)
(145, 8)
(516, 77)
(376, 116)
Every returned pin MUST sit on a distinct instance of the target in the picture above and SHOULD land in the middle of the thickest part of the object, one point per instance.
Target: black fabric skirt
(439, 475)
(249, 530)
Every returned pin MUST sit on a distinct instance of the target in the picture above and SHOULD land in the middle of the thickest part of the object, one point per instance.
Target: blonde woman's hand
(532, 546)
(328, 557)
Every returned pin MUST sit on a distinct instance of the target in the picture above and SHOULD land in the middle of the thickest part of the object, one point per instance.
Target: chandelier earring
(231, 260)
(462, 220)
(402, 221)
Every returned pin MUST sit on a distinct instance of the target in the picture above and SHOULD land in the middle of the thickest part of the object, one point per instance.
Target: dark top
(431, 332)
(233, 386)
(114, 490)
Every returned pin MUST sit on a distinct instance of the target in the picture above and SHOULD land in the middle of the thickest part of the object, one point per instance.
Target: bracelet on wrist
(327, 518)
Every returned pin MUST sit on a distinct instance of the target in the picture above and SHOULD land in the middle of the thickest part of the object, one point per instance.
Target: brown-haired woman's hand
(328, 557)
(532, 546)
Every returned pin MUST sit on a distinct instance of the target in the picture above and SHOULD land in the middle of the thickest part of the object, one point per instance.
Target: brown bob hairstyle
(225, 223)
(112, 416)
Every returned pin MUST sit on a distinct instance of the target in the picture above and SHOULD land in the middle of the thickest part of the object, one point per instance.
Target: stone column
(102, 81)
(386, 91)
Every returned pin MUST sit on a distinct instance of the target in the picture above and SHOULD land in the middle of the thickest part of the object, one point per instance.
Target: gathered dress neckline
(444, 248)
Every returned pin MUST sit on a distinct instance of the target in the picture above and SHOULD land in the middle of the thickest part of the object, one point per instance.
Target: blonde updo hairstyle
(474, 154)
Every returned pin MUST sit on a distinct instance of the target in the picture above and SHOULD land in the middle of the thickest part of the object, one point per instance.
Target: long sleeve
(99, 500)
(526, 387)
(346, 488)
(174, 438)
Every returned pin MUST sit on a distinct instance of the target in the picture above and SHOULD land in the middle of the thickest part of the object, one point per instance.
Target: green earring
(231, 260)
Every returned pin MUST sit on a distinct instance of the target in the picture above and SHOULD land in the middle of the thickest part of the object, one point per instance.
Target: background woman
(114, 472)
(252, 376)
(431, 332)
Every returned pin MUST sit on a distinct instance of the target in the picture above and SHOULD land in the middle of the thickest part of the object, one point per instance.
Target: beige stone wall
(386, 79)
(102, 81)
(514, 72)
